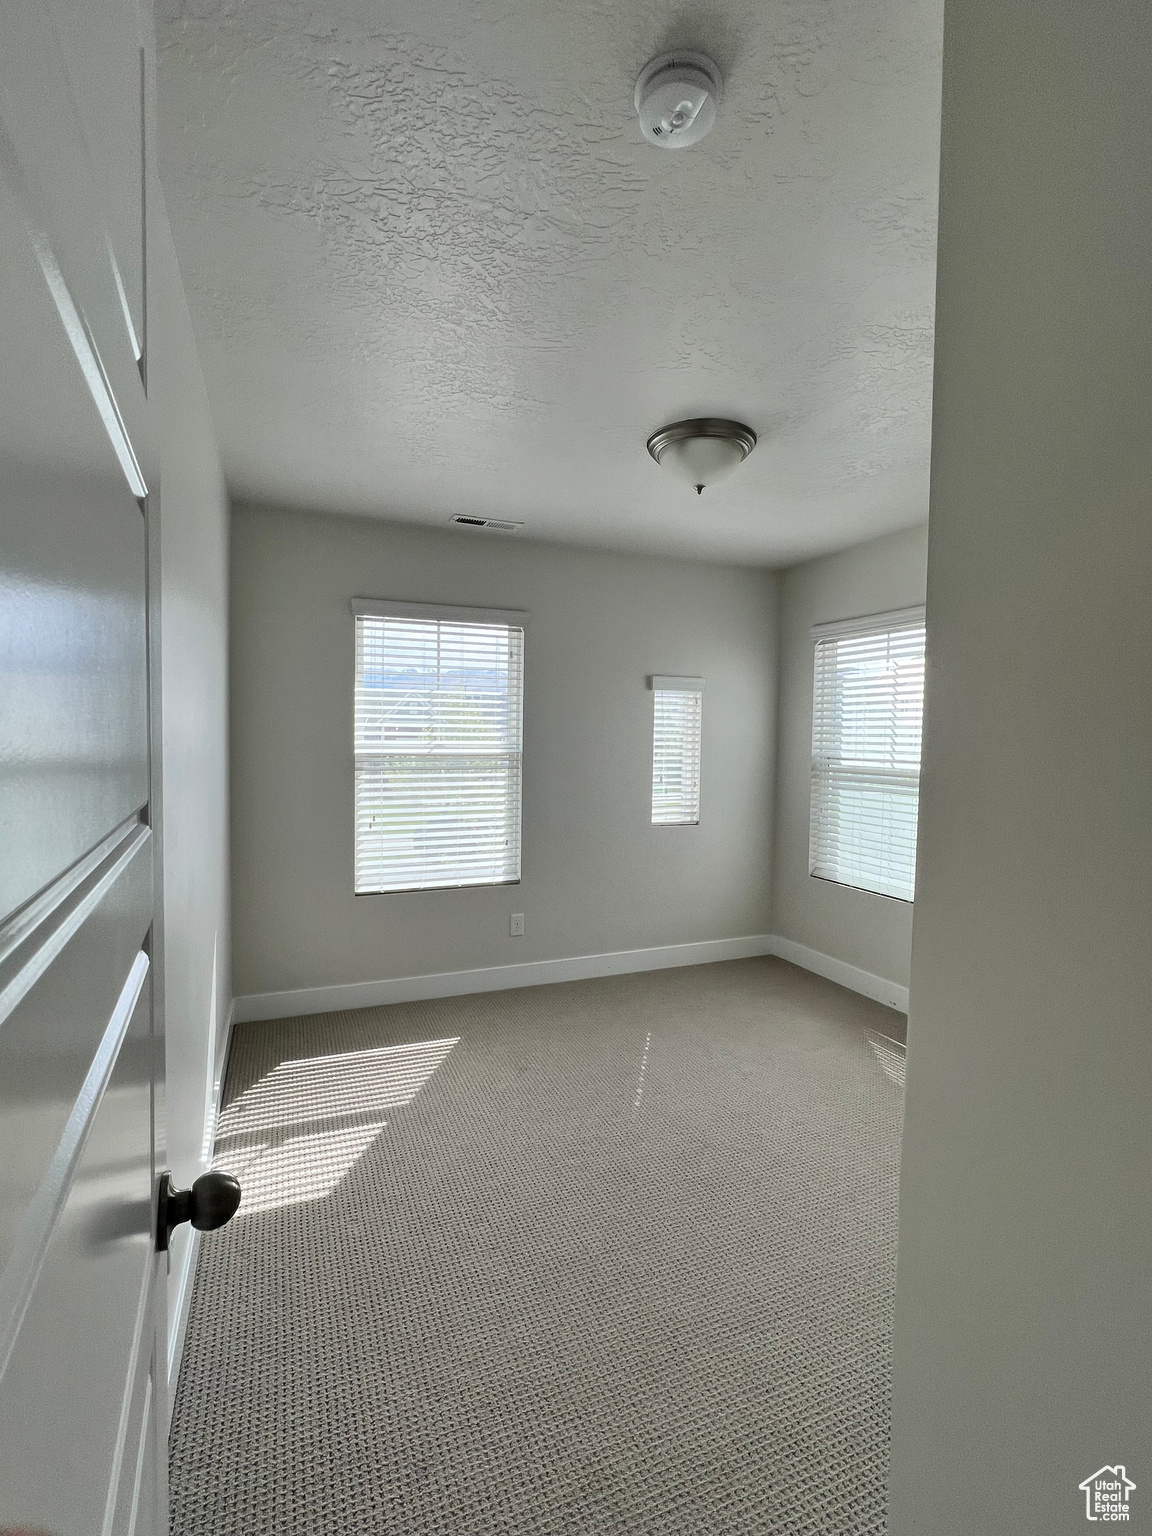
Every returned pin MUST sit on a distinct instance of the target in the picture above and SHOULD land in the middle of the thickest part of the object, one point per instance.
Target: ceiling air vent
(493, 524)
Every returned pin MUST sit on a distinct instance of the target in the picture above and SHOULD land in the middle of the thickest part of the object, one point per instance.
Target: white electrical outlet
(516, 925)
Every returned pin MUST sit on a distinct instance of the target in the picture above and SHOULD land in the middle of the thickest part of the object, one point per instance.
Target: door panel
(75, 682)
(142, 1514)
(65, 146)
(75, 1352)
(73, 657)
(83, 1403)
(56, 1041)
(101, 47)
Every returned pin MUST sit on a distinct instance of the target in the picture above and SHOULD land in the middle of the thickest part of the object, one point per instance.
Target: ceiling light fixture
(703, 450)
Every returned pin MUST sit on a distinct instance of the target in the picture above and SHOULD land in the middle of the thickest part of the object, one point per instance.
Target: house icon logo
(1106, 1494)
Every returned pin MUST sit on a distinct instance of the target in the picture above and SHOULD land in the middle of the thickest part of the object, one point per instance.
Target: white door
(83, 1410)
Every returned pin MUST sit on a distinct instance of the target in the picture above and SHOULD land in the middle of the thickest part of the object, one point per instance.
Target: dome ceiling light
(703, 450)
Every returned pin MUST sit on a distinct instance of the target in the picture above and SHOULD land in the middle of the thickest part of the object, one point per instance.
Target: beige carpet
(612, 1258)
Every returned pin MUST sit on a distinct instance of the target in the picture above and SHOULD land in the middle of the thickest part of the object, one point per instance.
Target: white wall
(1023, 1324)
(596, 875)
(195, 964)
(858, 927)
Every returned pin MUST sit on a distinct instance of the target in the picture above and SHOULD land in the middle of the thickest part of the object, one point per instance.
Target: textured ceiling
(434, 267)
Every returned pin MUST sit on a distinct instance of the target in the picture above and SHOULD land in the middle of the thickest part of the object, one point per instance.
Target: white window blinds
(439, 708)
(677, 714)
(867, 705)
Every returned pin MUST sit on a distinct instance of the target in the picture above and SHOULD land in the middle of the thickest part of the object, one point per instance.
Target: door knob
(212, 1200)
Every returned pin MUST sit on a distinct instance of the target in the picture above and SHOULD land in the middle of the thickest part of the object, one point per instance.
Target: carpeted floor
(611, 1258)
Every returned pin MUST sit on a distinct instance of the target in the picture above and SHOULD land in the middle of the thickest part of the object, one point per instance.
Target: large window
(868, 699)
(677, 713)
(439, 706)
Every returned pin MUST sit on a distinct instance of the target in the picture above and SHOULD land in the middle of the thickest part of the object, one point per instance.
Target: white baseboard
(257, 1006)
(890, 993)
(493, 978)
(181, 1291)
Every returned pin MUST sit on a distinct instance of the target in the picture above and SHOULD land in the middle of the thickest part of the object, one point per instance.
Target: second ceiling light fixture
(702, 450)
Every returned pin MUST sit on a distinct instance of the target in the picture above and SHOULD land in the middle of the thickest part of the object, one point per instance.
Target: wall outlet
(516, 925)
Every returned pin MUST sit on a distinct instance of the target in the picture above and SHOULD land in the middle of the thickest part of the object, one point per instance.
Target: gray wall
(193, 653)
(1025, 1267)
(596, 876)
(865, 930)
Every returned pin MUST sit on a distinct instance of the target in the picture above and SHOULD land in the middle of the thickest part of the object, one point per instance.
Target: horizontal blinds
(868, 701)
(438, 737)
(676, 757)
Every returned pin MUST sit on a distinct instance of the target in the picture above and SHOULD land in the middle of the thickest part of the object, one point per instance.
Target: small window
(868, 700)
(677, 713)
(438, 725)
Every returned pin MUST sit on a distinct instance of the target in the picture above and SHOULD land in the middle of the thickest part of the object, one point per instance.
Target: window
(439, 704)
(868, 699)
(676, 720)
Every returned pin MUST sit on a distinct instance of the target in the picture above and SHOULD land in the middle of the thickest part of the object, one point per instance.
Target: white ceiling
(434, 267)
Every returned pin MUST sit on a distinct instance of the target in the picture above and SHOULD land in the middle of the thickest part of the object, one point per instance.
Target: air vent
(493, 524)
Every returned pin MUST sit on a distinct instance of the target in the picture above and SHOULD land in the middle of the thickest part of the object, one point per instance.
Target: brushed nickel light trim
(734, 432)
(702, 426)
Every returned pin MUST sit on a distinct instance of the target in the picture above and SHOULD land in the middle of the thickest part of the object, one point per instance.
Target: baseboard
(186, 1273)
(257, 1006)
(493, 978)
(890, 993)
